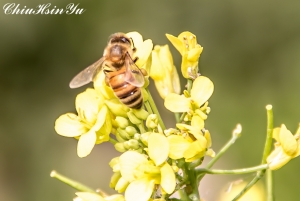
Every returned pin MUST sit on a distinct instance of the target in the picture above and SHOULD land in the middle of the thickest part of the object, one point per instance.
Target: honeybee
(121, 72)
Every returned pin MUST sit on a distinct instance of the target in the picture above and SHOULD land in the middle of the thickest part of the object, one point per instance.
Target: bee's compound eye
(125, 40)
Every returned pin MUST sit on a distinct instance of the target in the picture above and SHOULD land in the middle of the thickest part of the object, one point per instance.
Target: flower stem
(189, 85)
(113, 141)
(154, 109)
(268, 143)
(269, 181)
(148, 107)
(267, 150)
(232, 140)
(223, 150)
(236, 171)
(78, 186)
(177, 117)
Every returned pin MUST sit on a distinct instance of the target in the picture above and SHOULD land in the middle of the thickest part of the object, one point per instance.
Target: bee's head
(119, 38)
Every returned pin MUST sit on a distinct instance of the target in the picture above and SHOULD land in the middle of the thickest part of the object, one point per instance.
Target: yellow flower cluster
(98, 108)
(150, 153)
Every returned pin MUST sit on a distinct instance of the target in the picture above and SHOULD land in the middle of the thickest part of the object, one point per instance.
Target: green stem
(236, 171)
(154, 108)
(232, 140)
(148, 107)
(268, 143)
(266, 152)
(223, 150)
(189, 85)
(113, 141)
(142, 128)
(269, 181)
(78, 186)
(177, 117)
(183, 195)
(182, 117)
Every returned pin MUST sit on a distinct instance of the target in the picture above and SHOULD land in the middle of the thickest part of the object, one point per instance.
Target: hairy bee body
(122, 75)
(128, 94)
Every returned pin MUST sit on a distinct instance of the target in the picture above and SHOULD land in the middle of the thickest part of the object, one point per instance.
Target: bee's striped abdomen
(128, 94)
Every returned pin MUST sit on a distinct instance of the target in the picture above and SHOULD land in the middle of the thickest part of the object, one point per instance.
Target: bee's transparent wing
(87, 75)
(133, 74)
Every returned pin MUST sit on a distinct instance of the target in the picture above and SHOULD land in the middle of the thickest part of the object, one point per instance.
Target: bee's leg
(106, 71)
(135, 59)
(133, 47)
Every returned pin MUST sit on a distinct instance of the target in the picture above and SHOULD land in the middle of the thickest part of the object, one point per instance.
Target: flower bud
(119, 137)
(114, 179)
(133, 118)
(152, 121)
(121, 185)
(120, 147)
(133, 144)
(137, 136)
(123, 133)
(131, 130)
(122, 122)
(141, 113)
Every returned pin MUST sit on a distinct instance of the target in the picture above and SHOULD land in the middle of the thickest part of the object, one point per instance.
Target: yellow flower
(186, 44)
(287, 147)
(201, 91)
(191, 145)
(140, 174)
(143, 50)
(163, 71)
(91, 126)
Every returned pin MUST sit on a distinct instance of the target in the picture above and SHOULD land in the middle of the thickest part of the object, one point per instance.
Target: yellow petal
(194, 54)
(143, 53)
(86, 143)
(87, 196)
(191, 129)
(175, 80)
(278, 158)
(197, 122)
(156, 70)
(143, 48)
(177, 43)
(190, 39)
(165, 57)
(87, 105)
(196, 147)
(101, 117)
(158, 148)
(129, 161)
(178, 145)
(287, 141)
(208, 138)
(168, 181)
(69, 125)
(177, 103)
(202, 89)
(275, 134)
(136, 37)
(139, 190)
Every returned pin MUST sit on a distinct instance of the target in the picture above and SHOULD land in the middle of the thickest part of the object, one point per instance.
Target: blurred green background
(251, 52)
